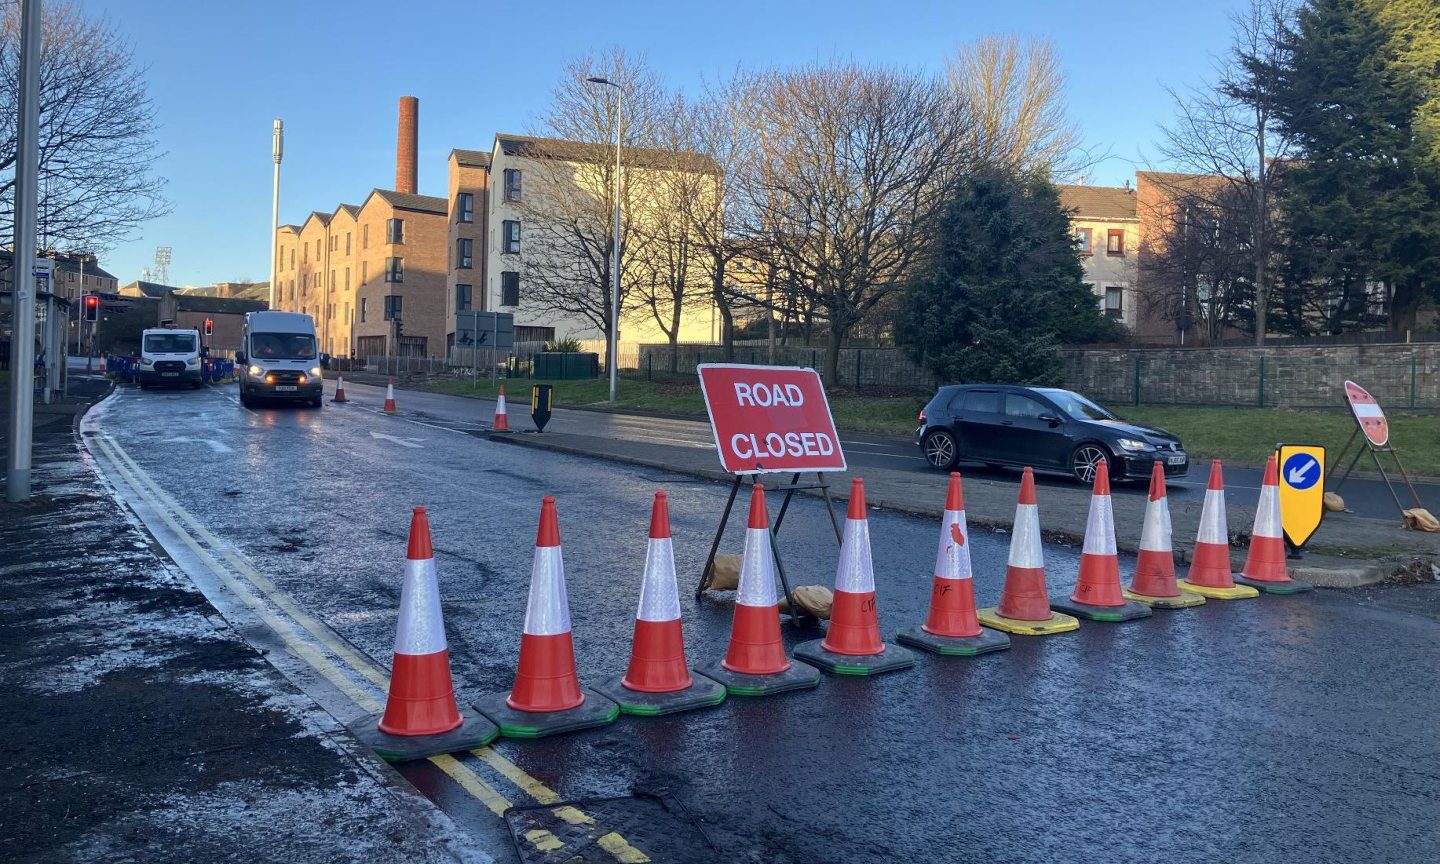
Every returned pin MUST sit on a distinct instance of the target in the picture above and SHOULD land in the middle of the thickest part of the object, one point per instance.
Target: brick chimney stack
(406, 145)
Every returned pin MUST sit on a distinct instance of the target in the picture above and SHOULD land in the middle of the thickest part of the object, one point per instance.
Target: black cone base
(892, 658)
(703, 693)
(953, 646)
(596, 710)
(1294, 586)
(475, 731)
(799, 676)
(1128, 612)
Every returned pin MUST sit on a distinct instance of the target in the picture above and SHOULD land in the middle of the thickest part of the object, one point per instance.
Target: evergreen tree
(1002, 286)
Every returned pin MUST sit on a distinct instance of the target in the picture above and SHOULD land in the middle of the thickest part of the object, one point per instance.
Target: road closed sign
(1302, 490)
(1368, 414)
(770, 418)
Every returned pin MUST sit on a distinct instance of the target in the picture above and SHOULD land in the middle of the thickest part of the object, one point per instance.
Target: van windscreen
(170, 343)
(282, 346)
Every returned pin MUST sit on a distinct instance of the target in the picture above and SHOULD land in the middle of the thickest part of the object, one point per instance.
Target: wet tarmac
(1277, 729)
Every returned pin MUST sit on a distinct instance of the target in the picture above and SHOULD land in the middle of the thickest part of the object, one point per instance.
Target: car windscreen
(282, 346)
(1077, 406)
(169, 343)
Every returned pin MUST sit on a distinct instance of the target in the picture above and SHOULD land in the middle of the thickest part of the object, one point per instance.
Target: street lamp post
(277, 150)
(614, 348)
(22, 260)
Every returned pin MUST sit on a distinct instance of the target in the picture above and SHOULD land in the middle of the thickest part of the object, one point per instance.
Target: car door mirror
(240, 357)
(1049, 418)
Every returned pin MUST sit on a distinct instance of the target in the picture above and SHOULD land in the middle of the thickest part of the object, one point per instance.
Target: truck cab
(169, 357)
(279, 358)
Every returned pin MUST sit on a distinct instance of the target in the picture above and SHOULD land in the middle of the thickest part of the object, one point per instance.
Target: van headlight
(146, 361)
(316, 372)
(192, 361)
(1132, 444)
(256, 371)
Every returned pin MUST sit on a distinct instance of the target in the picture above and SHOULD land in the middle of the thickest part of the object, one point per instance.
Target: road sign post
(541, 401)
(1370, 421)
(1302, 491)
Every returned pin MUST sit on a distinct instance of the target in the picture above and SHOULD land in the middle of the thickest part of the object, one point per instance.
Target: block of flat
(954, 646)
(474, 731)
(893, 657)
(596, 710)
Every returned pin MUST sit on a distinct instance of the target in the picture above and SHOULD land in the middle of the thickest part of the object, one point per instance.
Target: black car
(1042, 427)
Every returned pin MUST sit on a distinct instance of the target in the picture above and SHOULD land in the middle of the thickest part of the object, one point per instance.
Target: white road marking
(217, 446)
(413, 443)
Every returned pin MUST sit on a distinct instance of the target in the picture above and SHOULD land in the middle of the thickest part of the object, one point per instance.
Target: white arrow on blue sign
(1301, 470)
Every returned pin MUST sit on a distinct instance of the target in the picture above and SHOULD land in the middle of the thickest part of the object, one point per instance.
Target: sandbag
(814, 599)
(1334, 503)
(1420, 519)
(725, 573)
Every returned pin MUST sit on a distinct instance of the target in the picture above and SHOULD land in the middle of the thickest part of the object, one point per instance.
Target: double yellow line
(206, 547)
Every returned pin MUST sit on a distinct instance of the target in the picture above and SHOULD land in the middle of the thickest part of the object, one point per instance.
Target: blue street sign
(1301, 470)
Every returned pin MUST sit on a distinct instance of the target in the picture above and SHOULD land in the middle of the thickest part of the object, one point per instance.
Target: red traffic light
(209, 326)
(92, 307)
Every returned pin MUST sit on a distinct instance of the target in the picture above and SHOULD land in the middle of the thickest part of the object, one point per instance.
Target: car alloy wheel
(940, 450)
(1086, 460)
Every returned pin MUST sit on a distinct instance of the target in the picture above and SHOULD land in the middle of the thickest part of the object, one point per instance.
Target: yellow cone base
(1239, 592)
(1057, 623)
(1184, 601)
(1293, 586)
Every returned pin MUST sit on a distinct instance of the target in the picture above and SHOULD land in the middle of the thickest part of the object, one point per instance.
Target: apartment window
(392, 307)
(332, 242)
(464, 247)
(318, 249)
(347, 242)
(347, 311)
(305, 253)
(462, 298)
(364, 272)
(292, 257)
(332, 278)
(347, 278)
(1115, 242)
(304, 284)
(394, 269)
(365, 236)
(465, 207)
(510, 288)
(512, 184)
(394, 230)
(1083, 241)
(362, 310)
(511, 235)
(1115, 301)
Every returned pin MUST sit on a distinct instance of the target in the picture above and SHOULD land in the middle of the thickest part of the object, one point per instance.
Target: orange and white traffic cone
(502, 421)
(755, 663)
(547, 697)
(1154, 581)
(657, 681)
(339, 390)
(1098, 596)
(1210, 572)
(389, 397)
(852, 645)
(1024, 607)
(1265, 567)
(951, 626)
(421, 718)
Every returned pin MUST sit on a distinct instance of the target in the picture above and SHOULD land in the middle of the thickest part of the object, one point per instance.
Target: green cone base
(800, 676)
(1056, 623)
(1184, 601)
(954, 646)
(474, 731)
(702, 693)
(893, 657)
(1294, 586)
(1131, 611)
(596, 710)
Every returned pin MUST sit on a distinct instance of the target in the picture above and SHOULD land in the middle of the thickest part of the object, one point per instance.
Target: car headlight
(1132, 444)
(316, 373)
(256, 371)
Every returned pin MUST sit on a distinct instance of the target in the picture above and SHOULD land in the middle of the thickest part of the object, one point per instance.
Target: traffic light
(92, 307)
(209, 326)
(399, 328)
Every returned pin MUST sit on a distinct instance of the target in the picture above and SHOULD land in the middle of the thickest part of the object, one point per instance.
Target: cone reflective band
(545, 679)
(421, 699)
(755, 646)
(854, 621)
(952, 596)
(502, 422)
(1099, 583)
(389, 397)
(1210, 565)
(657, 655)
(1025, 597)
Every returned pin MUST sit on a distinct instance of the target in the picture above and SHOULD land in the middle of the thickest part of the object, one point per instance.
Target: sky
(220, 72)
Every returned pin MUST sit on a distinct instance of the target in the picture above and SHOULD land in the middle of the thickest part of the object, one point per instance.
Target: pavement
(1297, 728)
(142, 726)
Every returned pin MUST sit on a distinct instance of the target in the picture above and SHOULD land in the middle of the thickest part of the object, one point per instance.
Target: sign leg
(719, 534)
(830, 507)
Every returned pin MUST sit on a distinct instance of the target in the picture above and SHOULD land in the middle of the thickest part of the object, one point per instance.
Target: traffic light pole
(22, 262)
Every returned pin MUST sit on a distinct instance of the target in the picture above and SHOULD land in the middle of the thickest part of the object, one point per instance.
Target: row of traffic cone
(500, 424)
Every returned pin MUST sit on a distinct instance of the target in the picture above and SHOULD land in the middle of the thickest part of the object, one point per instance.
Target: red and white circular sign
(1368, 414)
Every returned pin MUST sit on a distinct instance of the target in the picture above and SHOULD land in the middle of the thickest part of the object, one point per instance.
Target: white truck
(169, 357)
(279, 358)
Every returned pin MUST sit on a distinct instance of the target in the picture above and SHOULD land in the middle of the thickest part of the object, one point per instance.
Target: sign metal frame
(1367, 444)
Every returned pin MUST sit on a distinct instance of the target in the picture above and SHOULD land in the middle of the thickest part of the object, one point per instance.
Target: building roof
(294, 229)
(65, 262)
(352, 209)
(577, 151)
(418, 203)
(220, 305)
(471, 158)
(148, 289)
(324, 218)
(1098, 202)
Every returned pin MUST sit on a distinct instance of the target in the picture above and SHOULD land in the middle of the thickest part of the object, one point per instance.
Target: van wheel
(317, 402)
(246, 399)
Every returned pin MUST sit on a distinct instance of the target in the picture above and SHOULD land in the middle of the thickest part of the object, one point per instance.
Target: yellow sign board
(1302, 490)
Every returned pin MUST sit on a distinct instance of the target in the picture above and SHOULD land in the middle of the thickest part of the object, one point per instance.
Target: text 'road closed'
(770, 418)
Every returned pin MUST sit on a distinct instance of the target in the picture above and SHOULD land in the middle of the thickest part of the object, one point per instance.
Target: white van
(279, 358)
(169, 357)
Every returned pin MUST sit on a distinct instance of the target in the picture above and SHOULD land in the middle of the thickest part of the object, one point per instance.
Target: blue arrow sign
(1301, 471)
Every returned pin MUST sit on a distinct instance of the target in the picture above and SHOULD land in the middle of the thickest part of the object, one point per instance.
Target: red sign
(770, 418)
(1368, 414)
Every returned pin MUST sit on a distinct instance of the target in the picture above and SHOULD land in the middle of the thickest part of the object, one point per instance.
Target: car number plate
(286, 389)
(169, 374)
(1176, 460)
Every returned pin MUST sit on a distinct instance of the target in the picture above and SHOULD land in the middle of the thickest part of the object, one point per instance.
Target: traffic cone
(340, 390)
(389, 397)
(1098, 596)
(1210, 574)
(502, 422)
(1025, 603)
(755, 663)
(852, 645)
(1265, 567)
(102, 364)
(547, 697)
(951, 627)
(1154, 581)
(657, 680)
(421, 718)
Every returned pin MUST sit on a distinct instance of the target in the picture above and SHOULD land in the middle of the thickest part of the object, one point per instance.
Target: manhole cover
(606, 830)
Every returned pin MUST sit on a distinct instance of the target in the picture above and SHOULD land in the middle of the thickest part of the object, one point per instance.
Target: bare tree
(97, 150)
(848, 170)
(1013, 93)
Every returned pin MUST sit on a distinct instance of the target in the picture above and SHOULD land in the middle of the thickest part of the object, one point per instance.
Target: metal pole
(278, 149)
(615, 259)
(22, 263)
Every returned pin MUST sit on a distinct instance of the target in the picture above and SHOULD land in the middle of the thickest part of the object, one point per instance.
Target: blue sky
(220, 72)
